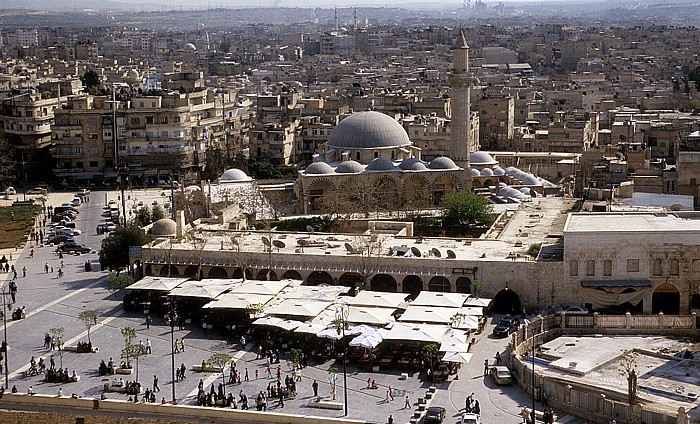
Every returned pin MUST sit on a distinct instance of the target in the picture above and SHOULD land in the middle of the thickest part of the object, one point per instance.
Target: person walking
(148, 321)
(390, 420)
(498, 358)
(269, 371)
(46, 267)
(148, 346)
(177, 345)
(24, 271)
(315, 387)
(246, 375)
(486, 367)
(155, 384)
(407, 405)
(182, 344)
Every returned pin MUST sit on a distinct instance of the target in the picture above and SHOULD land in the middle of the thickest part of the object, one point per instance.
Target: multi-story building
(496, 121)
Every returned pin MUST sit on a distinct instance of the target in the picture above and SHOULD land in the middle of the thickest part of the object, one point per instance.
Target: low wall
(594, 403)
(23, 408)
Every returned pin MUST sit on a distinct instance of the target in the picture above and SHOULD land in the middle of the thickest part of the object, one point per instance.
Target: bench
(116, 389)
(325, 404)
(67, 348)
(125, 371)
(199, 368)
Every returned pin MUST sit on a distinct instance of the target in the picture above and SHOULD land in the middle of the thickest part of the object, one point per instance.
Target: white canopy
(462, 357)
(237, 301)
(284, 324)
(454, 347)
(441, 299)
(477, 301)
(438, 315)
(318, 293)
(207, 289)
(157, 283)
(369, 315)
(261, 287)
(377, 299)
(417, 332)
(298, 307)
(366, 341)
(310, 328)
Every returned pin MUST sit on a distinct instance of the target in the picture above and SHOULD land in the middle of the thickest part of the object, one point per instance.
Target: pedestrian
(387, 396)
(281, 402)
(612, 421)
(486, 367)
(60, 392)
(24, 271)
(390, 420)
(477, 408)
(204, 327)
(408, 403)
(544, 398)
(256, 374)
(269, 371)
(498, 358)
(155, 384)
(182, 344)
(246, 375)
(182, 371)
(315, 387)
(177, 345)
(148, 320)
(30, 391)
(369, 381)
(148, 346)
(46, 265)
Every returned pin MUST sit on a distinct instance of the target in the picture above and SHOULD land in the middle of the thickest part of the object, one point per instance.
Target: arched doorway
(666, 299)
(413, 285)
(383, 283)
(238, 273)
(292, 275)
(439, 284)
(506, 301)
(137, 270)
(319, 277)
(149, 270)
(463, 285)
(174, 272)
(350, 279)
(217, 272)
(264, 273)
(191, 271)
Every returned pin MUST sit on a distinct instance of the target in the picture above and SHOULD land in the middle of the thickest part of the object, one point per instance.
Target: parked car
(36, 190)
(10, 191)
(83, 192)
(60, 239)
(76, 201)
(506, 326)
(574, 310)
(469, 418)
(435, 414)
(501, 374)
(74, 247)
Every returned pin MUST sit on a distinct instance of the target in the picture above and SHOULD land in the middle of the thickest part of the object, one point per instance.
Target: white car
(10, 191)
(575, 310)
(469, 418)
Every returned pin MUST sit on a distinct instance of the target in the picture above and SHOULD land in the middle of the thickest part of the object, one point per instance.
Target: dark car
(435, 414)
(60, 239)
(506, 326)
(74, 247)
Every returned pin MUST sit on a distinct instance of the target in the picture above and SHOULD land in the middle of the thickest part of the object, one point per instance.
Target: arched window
(590, 268)
(607, 267)
(675, 265)
(656, 268)
(573, 268)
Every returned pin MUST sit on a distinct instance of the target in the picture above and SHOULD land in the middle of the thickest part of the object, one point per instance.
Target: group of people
(61, 376)
(111, 367)
(472, 405)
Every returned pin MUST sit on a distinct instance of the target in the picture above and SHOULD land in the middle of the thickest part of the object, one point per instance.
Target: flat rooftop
(629, 222)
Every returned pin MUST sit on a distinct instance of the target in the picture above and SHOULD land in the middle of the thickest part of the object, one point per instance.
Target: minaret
(460, 87)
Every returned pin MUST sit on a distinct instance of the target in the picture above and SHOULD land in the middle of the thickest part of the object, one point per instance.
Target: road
(56, 302)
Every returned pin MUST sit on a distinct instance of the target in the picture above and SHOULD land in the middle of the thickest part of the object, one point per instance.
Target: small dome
(481, 159)
(412, 164)
(511, 193)
(193, 188)
(529, 179)
(318, 168)
(497, 170)
(527, 191)
(164, 227)
(475, 172)
(381, 164)
(368, 130)
(511, 170)
(189, 46)
(349, 167)
(487, 172)
(442, 162)
(234, 175)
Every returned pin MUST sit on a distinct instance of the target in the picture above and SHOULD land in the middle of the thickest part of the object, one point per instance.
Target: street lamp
(4, 343)
(173, 317)
(342, 311)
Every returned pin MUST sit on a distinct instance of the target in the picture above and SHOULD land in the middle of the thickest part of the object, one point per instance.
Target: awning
(238, 301)
(380, 299)
(615, 283)
(157, 283)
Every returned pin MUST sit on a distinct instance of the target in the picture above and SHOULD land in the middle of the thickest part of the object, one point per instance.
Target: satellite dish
(310, 229)
(266, 241)
(349, 248)
(279, 244)
(451, 254)
(416, 252)
(301, 242)
(436, 252)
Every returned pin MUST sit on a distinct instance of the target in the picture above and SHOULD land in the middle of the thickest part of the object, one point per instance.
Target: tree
(129, 335)
(430, 354)
(255, 309)
(216, 162)
(89, 318)
(295, 357)
(134, 351)
(466, 208)
(157, 213)
(114, 251)
(694, 76)
(119, 281)
(220, 360)
(477, 286)
(91, 81)
(628, 369)
(7, 164)
(57, 334)
(142, 217)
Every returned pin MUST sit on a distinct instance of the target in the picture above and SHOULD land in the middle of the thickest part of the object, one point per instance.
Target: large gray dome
(367, 130)
(442, 162)
(480, 159)
(319, 168)
(164, 227)
(381, 164)
(234, 175)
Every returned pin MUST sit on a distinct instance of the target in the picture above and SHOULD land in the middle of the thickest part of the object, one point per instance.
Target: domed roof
(367, 130)
(349, 167)
(442, 162)
(475, 172)
(193, 188)
(487, 172)
(189, 46)
(164, 227)
(511, 193)
(481, 159)
(511, 170)
(526, 191)
(381, 164)
(497, 170)
(412, 164)
(319, 168)
(234, 175)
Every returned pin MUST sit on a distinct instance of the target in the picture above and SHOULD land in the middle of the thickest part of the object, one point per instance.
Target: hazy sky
(308, 3)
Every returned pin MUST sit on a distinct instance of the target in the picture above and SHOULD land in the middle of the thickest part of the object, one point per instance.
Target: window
(149, 119)
(92, 121)
(696, 265)
(93, 164)
(357, 155)
(573, 268)
(163, 119)
(135, 121)
(675, 265)
(590, 268)
(656, 268)
(632, 265)
(376, 155)
(607, 267)
(176, 119)
(92, 136)
(78, 164)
